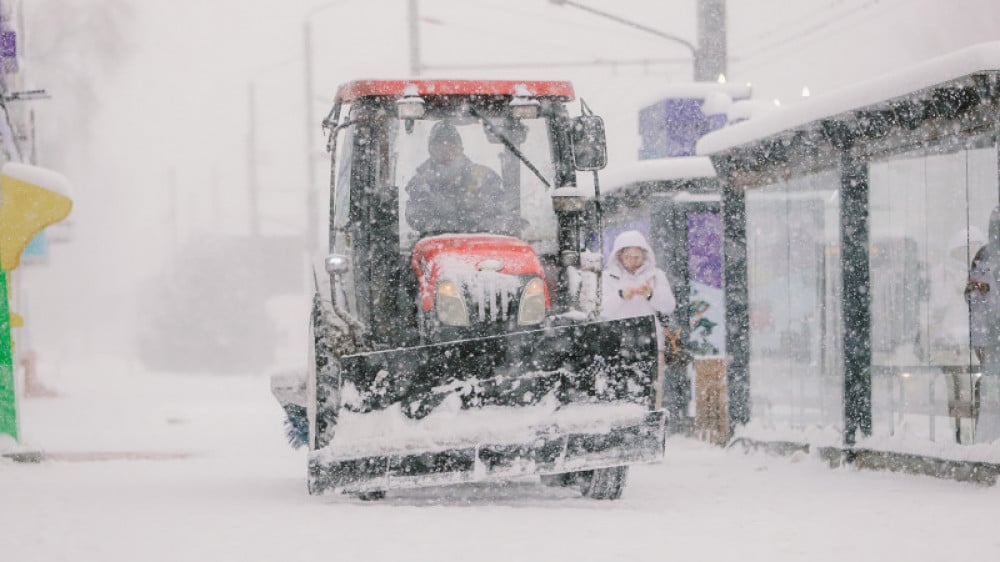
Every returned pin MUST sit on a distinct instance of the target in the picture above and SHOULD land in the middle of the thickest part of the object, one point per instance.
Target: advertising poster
(707, 303)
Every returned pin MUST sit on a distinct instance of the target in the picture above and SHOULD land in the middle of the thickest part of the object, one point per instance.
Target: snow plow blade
(547, 401)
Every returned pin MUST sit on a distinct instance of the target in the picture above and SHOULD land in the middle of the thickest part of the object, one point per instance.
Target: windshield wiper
(510, 146)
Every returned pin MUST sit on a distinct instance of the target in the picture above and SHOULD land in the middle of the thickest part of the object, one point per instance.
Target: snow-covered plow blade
(549, 401)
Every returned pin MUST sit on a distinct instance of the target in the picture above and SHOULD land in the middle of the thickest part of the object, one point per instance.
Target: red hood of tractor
(461, 256)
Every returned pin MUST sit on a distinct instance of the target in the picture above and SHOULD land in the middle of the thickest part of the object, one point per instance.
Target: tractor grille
(493, 298)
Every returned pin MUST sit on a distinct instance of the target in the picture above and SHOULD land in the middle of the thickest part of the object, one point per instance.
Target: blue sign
(37, 248)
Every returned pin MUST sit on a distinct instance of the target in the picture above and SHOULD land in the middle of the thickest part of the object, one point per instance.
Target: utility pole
(710, 58)
(172, 209)
(33, 156)
(254, 189)
(216, 207)
(414, 14)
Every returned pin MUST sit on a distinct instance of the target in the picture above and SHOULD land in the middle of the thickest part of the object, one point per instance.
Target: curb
(35, 457)
(977, 472)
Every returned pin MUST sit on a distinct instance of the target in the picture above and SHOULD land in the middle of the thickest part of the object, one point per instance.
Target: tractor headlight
(532, 307)
(451, 308)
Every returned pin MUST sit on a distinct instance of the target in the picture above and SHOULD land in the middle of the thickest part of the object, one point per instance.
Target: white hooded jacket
(616, 279)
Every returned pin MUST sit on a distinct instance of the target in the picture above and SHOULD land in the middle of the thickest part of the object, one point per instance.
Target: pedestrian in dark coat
(982, 292)
(451, 193)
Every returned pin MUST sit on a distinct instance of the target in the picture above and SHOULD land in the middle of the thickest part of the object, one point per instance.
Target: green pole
(737, 295)
(856, 299)
(8, 398)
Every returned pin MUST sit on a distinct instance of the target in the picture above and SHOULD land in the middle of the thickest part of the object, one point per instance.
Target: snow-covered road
(240, 495)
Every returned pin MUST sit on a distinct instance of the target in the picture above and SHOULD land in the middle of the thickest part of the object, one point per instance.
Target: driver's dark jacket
(460, 197)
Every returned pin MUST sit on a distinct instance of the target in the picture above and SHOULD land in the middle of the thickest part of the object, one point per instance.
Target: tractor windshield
(462, 175)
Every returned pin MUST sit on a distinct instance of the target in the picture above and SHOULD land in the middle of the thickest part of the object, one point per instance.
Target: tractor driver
(451, 193)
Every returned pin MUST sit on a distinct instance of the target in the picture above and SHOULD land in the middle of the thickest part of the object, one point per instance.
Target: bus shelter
(850, 223)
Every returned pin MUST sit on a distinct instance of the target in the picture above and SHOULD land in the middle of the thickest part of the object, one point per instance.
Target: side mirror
(337, 264)
(590, 148)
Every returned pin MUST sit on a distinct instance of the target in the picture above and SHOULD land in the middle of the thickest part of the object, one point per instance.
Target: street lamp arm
(657, 32)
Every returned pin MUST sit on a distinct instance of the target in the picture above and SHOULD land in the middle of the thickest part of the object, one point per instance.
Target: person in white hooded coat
(633, 286)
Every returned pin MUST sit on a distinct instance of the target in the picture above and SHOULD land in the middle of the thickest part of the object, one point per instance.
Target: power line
(795, 22)
(634, 25)
(460, 25)
(812, 29)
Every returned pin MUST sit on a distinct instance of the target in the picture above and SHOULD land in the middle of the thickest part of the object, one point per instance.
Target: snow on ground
(222, 485)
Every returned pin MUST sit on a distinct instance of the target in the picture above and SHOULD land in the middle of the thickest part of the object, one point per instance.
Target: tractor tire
(371, 496)
(605, 483)
(561, 480)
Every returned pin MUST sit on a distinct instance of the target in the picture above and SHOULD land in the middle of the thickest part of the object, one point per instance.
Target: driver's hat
(444, 132)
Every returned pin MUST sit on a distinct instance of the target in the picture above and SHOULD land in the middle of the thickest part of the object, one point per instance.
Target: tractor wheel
(605, 483)
(372, 495)
(563, 480)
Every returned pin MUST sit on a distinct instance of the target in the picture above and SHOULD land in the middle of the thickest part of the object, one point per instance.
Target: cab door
(366, 226)
(345, 224)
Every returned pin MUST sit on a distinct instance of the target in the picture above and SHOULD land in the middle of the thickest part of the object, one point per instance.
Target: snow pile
(693, 90)
(449, 426)
(817, 436)
(244, 497)
(657, 169)
(36, 175)
(716, 103)
(831, 436)
(8, 444)
(748, 109)
(910, 444)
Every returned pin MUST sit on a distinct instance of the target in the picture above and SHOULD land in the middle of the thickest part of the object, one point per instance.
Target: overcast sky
(169, 82)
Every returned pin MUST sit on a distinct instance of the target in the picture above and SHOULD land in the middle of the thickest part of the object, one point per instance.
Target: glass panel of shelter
(794, 286)
(929, 215)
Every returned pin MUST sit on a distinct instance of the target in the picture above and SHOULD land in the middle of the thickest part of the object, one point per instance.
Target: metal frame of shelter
(846, 143)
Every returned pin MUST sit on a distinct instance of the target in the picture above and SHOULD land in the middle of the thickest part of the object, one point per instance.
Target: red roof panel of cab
(394, 88)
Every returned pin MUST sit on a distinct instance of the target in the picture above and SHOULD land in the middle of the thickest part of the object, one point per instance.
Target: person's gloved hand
(978, 286)
(644, 291)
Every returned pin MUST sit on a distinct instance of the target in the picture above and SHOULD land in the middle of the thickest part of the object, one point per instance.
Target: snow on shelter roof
(394, 88)
(694, 90)
(42, 177)
(933, 72)
(657, 169)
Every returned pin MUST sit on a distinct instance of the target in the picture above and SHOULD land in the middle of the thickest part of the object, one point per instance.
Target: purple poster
(705, 248)
(707, 301)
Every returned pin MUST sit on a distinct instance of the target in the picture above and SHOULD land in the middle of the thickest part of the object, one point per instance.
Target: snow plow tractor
(455, 332)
